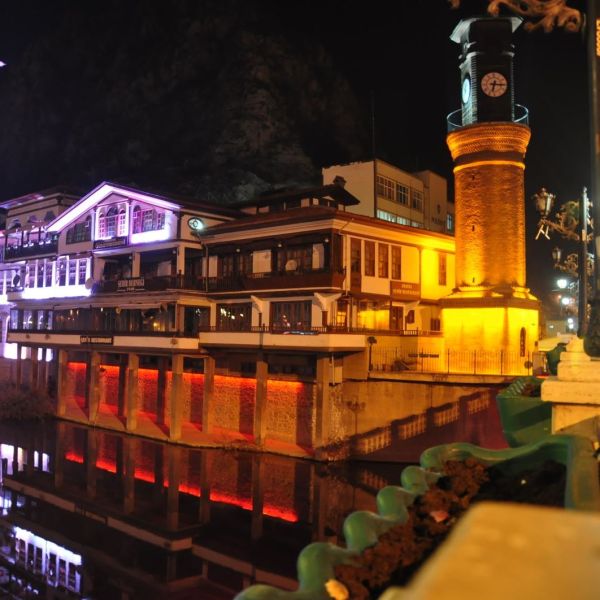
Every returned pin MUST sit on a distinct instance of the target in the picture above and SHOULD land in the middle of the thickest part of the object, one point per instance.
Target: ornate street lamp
(570, 222)
(556, 254)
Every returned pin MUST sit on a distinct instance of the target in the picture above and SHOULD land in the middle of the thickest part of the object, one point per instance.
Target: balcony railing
(107, 333)
(309, 330)
(425, 359)
(41, 248)
(454, 119)
(252, 281)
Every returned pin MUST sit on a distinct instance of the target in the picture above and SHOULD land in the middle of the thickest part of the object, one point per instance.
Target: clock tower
(486, 68)
(490, 310)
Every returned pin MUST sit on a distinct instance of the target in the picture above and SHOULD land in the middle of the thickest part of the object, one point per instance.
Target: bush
(21, 402)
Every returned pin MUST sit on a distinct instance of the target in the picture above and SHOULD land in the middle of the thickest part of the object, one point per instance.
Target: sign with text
(112, 243)
(402, 290)
(102, 340)
(131, 285)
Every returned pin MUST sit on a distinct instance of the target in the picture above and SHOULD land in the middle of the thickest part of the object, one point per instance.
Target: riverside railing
(468, 362)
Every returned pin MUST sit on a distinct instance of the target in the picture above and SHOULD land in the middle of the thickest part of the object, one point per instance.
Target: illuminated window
(396, 318)
(396, 262)
(136, 219)
(417, 200)
(441, 269)
(450, 222)
(122, 222)
(385, 187)
(370, 258)
(292, 316)
(383, 260)
(112, 216)
(294, 258)
(234, 317)
(72, 271)
(80, 232)
(402, 194)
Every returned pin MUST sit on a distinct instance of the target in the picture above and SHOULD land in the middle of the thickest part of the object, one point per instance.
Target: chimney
(339, 180)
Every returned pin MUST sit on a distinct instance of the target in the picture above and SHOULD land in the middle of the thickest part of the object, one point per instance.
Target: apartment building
(388, 193)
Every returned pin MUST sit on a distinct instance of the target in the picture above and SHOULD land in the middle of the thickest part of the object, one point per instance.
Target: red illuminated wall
(289, 411)
(109, 385)
(234, 403)
(74, 389)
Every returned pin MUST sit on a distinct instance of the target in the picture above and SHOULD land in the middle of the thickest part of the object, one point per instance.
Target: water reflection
(88, 513)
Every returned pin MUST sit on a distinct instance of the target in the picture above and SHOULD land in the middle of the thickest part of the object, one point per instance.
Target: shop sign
(131, 285)
(112, 243)
(403, 290)
(102, 340)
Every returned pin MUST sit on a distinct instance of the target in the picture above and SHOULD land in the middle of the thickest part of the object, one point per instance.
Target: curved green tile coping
(525, 419)
(316, 561)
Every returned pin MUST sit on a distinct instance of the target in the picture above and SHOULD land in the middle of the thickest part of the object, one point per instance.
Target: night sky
(402, 63)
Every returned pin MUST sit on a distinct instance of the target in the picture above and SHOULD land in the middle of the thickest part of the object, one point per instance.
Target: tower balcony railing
(454, 119)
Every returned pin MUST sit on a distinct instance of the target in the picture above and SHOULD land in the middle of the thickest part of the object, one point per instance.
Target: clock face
(494, 84)
(466, 89)
(195, 224)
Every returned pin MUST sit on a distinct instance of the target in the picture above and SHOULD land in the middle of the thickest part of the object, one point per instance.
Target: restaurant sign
(112, 243)
(103, 340)
(403, 290)
(131, 285)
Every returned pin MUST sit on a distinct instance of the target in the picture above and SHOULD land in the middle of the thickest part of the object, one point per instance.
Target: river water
(88, 513)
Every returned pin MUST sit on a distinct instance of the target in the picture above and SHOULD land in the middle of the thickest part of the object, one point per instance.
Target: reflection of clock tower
(490, 309)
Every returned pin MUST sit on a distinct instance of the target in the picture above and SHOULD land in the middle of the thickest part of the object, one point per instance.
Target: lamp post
(570, 222)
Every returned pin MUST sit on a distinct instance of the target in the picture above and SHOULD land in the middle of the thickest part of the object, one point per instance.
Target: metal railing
(304, 330)
(454, 119)
(468, 362)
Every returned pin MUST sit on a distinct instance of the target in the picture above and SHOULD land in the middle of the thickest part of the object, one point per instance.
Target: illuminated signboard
(402, 290)
(103, 340)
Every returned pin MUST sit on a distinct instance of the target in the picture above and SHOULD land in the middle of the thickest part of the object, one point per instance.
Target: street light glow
(562, 283)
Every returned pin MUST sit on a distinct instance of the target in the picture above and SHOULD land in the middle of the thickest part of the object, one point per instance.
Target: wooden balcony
(278, 280)
(315, 278)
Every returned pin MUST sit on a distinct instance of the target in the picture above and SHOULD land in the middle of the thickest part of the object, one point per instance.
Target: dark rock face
(206, 98)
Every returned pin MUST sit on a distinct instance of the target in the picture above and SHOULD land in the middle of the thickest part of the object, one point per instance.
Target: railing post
(501, 362)
(448, 360)
(474, 362)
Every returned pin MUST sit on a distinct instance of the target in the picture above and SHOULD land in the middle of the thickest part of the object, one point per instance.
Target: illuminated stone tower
(491, 309)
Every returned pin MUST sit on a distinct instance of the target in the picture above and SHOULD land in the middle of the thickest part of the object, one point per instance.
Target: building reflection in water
(88, 513)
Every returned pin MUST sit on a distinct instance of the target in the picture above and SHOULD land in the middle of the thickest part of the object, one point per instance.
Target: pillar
(19, 366)
(320, 506)
(90, 462)
(260, 400)
(256, 527)
(131, 398)
(122, 386)
(129, 447)
(323, 403)
(135, 264)
(58, 457)
(208, 395)
(174, 454)
(204, 516)
(93, 385)
(33, 376)
(161, 390)
(61, 384)
(176, 404)
(43, 371)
